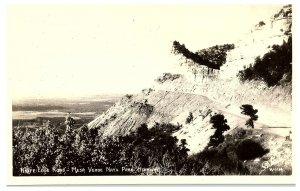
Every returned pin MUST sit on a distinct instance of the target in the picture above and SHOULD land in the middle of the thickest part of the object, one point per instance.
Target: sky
(62, 51)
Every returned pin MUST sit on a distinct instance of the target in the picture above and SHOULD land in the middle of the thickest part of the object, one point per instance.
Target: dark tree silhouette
(249, 149)
(248, 110)
(274, 67)
(70, 122)
(59, 153)
(213, 57)
(261, 23)
(142, 131)
(190, 118)
(219, 123)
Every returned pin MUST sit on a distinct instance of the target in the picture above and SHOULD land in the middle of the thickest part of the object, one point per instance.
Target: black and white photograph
(151, 90)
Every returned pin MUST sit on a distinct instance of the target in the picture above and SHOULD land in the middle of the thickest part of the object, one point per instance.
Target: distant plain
(35, 112)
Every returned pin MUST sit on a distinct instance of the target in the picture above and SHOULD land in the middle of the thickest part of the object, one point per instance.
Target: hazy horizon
(87, 98)
(70, 51)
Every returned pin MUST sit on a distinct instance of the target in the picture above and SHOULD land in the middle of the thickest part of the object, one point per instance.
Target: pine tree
(248, 110)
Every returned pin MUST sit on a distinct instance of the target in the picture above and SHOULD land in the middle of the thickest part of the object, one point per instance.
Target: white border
(138, 179)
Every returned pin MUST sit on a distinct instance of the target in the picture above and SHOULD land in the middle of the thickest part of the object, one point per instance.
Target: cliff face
(203, 92)
(282, 20)
(258, 41)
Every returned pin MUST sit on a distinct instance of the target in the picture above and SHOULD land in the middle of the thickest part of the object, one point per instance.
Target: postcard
(150, 94)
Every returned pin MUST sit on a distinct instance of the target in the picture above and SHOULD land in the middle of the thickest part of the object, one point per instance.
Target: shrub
(153, 148)
(85, 148)
(128, 96)
(144, 107)
(190, 118)
(168, 76)
(248, 150)
(215, 161)
(261, 23)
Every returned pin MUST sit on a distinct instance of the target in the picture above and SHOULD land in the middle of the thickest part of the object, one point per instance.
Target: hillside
(203, 91)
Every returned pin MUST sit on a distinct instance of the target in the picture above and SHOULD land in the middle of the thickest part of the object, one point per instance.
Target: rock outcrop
(204, 92)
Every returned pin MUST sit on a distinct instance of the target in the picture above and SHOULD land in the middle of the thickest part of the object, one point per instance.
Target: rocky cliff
(195, 89)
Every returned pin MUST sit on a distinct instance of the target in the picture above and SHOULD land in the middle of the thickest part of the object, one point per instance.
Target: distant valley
(33, 113)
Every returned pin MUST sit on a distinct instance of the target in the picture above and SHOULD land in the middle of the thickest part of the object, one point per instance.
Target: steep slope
(258, 41)
(204, 92)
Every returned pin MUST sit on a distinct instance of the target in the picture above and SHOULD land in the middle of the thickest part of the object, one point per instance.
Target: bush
(248, 150)
(261, 23)
(153, 148)
(190, 118)
(128, 96)
(145, 148)
(215, 161)
(144, 107)
(168, 76)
